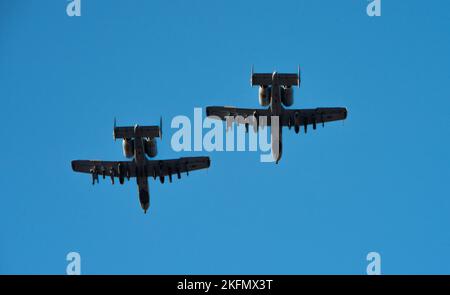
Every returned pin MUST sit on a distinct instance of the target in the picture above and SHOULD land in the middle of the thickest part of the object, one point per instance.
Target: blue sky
(379, 182)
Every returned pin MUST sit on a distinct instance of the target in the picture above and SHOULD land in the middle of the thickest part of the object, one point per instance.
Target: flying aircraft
(138, 143)
(275, 91)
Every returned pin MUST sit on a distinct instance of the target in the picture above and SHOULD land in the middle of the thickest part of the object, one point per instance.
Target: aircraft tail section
(137, 131)
(266, 79)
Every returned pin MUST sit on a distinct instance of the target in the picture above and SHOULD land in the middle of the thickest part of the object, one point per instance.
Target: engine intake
(287, 96)
(150, 147)
(264, 95)
(128, 147)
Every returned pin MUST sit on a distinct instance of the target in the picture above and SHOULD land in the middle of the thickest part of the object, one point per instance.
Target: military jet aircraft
(275, 91)
(138, 143)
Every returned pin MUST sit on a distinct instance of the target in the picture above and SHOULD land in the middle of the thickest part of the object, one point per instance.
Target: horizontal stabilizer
(137, 131)
(283, 79)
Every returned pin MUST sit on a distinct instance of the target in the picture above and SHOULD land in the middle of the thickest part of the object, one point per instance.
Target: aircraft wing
(289, 117)
(107, 168)
(153, 168)
(222, 112)
(161, 168)
(304, 117)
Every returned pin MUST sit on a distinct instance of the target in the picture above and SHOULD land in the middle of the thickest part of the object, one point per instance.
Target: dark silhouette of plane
(275, 90)
(138, 143)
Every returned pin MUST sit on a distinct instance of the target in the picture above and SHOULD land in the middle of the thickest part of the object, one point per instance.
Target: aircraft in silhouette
(138, 143)
(276, 92)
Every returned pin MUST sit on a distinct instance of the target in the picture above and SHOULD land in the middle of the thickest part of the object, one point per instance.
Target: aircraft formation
(139, 142)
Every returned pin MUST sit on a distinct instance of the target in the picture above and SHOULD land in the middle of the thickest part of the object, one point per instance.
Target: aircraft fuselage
(141, 173)
(276, 109)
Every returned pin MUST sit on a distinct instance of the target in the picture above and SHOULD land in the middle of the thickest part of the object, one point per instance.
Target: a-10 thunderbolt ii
(138, 143)
(276, 92)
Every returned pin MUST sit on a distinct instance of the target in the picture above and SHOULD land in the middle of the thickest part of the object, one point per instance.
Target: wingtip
(114, 128)
(345, 111)
(208, 110)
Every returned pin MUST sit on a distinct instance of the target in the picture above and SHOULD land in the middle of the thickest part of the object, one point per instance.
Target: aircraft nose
(145, 206)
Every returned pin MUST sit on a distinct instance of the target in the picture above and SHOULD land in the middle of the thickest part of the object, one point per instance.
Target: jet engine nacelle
(287, 96)
(264, 95)
(150, 147)
(128, 148)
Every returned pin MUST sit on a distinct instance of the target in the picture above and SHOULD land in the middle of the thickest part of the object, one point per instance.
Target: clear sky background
(379, 182)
